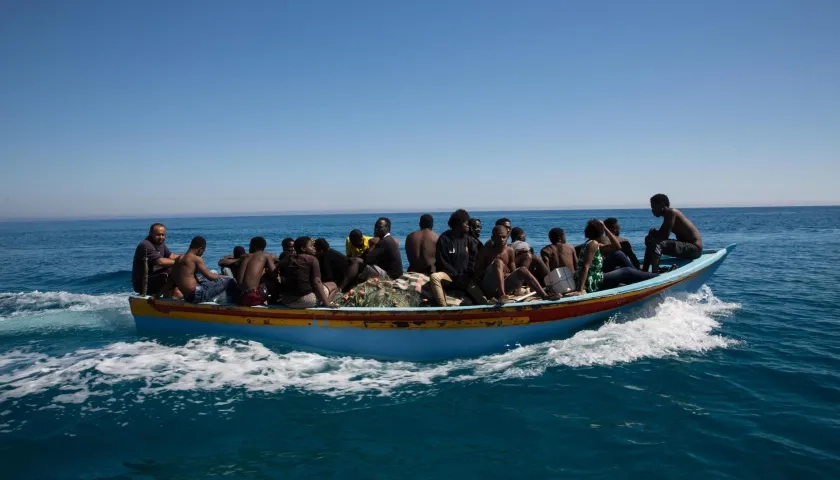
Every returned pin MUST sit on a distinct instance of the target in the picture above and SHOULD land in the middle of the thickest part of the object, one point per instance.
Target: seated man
(383, 260)
(356, 244)
(505, 222)
(256, 275)
(288, 246)
(303, 287)
(525, 255)
(420, 247)
(688, 244)
(454, 258)
(333, 263)
(230, 263)
(475, 228)
(559, 254)
(610, 263)
(184, 276)
(496, 268)
(153, 262)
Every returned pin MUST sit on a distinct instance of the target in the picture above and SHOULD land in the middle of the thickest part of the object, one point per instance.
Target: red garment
(253, 297)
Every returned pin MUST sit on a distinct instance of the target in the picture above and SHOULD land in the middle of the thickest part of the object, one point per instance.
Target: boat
(422, 333)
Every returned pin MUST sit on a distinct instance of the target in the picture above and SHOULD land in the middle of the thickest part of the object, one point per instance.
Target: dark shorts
(674, 248)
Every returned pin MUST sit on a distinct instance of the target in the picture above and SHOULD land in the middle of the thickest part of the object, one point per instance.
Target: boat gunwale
(666, 280)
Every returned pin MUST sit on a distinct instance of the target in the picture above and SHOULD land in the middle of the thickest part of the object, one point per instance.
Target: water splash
(674, 327)
(36, 303)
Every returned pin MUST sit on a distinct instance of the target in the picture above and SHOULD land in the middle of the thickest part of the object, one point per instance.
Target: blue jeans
(616, 260)
(207, 290)
(625, 275)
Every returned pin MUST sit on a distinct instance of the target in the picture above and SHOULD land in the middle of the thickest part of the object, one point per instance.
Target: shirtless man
(256, 275)
(420, 247)
(559, 254)
(497, 271)
(688, 244)
(184, 276)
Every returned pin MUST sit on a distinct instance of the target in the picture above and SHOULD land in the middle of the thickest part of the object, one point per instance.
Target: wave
(677, 326)
(37, 303)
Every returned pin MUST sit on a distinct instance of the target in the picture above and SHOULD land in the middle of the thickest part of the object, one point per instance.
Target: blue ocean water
(741, 380)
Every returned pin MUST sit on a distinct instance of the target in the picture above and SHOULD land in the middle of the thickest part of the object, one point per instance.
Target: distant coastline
(296, 213)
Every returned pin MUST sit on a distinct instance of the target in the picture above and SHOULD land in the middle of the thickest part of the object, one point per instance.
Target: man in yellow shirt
(356, 244)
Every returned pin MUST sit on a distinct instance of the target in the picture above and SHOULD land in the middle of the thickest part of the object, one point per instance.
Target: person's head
(238, 251)
(556, 235)
(427, 221)
(517, 234)
(658, 204)
(594, 229)
(612, 225)
(157, 233)
(322, 245)
(382, 227)
(459, 222)
(257, 244)
(304, 245)
(499, 235)
(198, 245)
(356, 238)
(475, 227)
(505, 222)
(288, 244)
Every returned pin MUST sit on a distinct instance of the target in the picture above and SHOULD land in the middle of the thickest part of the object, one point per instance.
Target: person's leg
(436, 281)
(539, 269)
(615, 261)
(207, 290)
(353, 269)
(522, 275)
(627, 276)
(650, 248)
(685, 250)
(331, 290)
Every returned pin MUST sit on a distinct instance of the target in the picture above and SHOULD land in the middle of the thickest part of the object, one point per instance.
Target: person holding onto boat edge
(498, 273)
(688, 244)
(184, 276)
(159, 261)
(420, 247)
(303, 287)
(590, 276)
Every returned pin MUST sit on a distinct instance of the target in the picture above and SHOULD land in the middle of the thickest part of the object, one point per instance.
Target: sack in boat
(561, 280)
(389, 293)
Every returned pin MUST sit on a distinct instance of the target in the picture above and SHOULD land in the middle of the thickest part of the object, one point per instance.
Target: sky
(119, 109)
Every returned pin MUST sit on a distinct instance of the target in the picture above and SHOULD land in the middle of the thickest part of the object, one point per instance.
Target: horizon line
(297, 213)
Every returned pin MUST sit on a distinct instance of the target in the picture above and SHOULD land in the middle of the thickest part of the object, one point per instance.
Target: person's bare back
(683, 229)
(253, 267)
(183, 272)
(560, 255)
(420, 249)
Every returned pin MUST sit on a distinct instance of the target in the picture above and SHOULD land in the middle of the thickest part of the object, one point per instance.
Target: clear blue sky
(158, 108)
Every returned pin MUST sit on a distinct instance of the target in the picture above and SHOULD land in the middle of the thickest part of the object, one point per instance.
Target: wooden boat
(425, 333)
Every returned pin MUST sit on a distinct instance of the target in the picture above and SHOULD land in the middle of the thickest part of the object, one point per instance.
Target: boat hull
(419, 333)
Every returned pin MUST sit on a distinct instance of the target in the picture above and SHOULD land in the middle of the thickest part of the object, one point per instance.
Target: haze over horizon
(112, 109)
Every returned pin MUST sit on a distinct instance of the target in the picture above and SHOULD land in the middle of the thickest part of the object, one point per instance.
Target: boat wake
(677, 326)
(27, 304)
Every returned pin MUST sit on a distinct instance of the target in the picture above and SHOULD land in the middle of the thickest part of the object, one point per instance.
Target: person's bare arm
(166, 262)
(668, 220)
(204, 271)
(228, 261)
(546, 256)
(614, 244)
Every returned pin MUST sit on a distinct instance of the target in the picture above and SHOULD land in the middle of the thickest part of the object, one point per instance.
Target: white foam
(37, 303)
(676, 326)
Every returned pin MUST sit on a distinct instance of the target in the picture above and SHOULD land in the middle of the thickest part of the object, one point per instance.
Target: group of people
(309, 273)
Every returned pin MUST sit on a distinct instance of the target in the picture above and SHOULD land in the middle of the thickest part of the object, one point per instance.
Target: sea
(739, 380)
